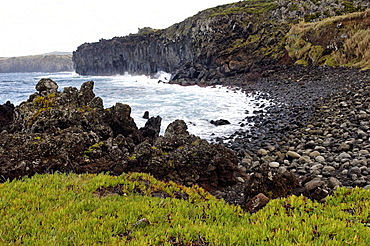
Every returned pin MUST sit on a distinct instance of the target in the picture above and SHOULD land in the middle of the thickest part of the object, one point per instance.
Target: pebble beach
(318, 128)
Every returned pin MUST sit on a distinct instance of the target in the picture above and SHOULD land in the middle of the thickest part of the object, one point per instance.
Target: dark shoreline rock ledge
(70, 131)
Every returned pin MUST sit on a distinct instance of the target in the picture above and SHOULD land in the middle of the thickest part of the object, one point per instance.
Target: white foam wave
(197, 106)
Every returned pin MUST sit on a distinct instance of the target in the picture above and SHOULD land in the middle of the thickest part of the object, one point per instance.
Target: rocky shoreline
(318, 129)
(71, 131)
(314, 138)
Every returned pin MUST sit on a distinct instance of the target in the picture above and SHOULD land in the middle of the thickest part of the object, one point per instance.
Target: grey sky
(40, 26)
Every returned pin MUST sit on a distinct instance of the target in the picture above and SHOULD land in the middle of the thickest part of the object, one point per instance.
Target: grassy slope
(335, 41)
(74, 209)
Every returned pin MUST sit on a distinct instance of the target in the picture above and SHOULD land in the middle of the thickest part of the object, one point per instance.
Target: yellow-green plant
(356, 50)
(136, 209)
(92, 147)
(42, 104)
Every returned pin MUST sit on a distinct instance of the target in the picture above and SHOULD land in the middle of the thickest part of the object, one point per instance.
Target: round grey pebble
(320, 159)
(328, 169)
(274, 164)
(317, 166)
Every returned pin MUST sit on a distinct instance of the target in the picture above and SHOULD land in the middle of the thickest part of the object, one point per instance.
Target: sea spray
(197, 106)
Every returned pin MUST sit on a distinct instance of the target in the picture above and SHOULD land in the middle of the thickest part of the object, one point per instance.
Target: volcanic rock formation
(70, 131)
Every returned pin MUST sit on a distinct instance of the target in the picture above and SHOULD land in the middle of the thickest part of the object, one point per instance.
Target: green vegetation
(133, 157)
(88, 112)
(250, 7)
(311, 17)
(44, 104)
(136, 209)
(85, 109)
(349, 7)
(92, 148)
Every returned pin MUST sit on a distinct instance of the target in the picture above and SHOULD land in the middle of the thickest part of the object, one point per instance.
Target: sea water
(197, 106)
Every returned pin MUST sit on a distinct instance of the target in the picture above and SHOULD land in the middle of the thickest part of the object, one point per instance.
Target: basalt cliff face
(239, 38)
(39, 63)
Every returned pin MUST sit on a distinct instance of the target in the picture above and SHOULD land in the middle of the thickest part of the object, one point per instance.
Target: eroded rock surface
(71, 131)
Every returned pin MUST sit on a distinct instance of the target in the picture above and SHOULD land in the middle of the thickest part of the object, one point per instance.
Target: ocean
(197, 106)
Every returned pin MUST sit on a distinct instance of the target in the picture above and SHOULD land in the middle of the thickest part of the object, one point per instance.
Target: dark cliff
(38, 63)
(223, 41)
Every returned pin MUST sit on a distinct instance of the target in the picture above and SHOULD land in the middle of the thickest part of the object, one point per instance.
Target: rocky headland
(39, 63)
(243, 38)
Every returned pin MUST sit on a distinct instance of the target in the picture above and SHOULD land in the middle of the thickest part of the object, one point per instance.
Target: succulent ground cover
(136, 209)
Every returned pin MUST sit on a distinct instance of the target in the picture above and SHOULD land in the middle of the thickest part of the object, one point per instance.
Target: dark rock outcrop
(152, 127)
(185, 158)
(271, 184)
(6, 115)
(146, 115)
(70, 131)
(220, 122)
(38, 63)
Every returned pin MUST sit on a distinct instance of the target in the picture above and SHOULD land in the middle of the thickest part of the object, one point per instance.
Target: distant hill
(51, 62)
(60, 53)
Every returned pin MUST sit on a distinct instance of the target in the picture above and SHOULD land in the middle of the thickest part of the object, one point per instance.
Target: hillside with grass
(136, 209)
(336, 41)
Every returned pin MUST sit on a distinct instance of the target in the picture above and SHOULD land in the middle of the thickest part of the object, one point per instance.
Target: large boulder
(273, 185)
(46, 86)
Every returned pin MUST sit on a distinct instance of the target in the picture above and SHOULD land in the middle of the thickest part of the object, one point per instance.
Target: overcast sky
(30, 27)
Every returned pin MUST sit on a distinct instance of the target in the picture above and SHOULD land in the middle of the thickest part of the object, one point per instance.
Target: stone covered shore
(317, 129)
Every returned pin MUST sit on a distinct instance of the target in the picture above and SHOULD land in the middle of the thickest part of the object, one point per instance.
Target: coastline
(313, 139)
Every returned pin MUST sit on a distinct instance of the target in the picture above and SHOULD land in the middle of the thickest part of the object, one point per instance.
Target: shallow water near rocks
(197, 106)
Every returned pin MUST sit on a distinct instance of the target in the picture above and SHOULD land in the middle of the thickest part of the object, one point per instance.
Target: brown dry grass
(354, 51)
